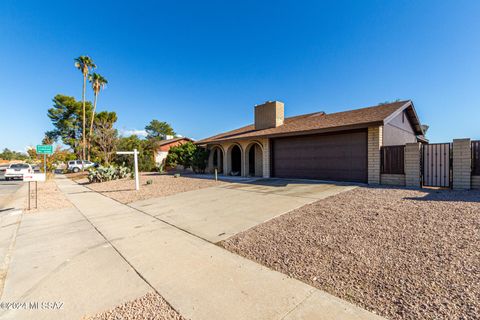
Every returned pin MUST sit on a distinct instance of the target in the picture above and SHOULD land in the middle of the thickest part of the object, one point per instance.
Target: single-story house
(163, 146)
(342, 146)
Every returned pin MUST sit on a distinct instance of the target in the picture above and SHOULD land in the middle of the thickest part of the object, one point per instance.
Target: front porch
(247, 158)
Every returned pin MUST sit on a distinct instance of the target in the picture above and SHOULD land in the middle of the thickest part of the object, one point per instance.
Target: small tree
(146, 161)
(105, 135)
(157, 130)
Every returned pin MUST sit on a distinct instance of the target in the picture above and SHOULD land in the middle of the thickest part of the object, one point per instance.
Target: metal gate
(436, 163)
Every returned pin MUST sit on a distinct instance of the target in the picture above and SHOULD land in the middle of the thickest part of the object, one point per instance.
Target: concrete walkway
(198, 278)
(217, 213)
(59, 257)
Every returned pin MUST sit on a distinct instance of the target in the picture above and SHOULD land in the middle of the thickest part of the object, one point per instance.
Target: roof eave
(409, 104)
(297, 133)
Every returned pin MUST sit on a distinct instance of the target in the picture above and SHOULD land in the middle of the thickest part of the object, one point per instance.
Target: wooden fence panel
(436, 165)
(392, 160)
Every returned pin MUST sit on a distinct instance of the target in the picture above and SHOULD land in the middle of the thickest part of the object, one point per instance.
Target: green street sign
(44, 149)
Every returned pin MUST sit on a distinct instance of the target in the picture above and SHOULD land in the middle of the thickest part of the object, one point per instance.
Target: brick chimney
(269, 115)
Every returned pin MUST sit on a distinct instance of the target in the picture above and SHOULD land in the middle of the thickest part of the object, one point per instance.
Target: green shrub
(102, 173)
(149, 181)
(199, 160)
(146, 158)
(188, 155)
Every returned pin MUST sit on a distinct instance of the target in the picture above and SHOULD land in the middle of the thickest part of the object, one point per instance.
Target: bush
(146, 159)
(188, 155)
(102, 173)
(199, 161)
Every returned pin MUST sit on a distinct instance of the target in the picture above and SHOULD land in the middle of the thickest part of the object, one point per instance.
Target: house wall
(398, 131)
(160, 157)
(375, 140)
(392, 179)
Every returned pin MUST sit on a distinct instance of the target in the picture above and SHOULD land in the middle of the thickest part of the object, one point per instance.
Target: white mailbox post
(135, 165)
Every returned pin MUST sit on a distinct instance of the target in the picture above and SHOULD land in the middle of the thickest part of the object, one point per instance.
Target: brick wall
(375, 137)
(392, 179)
(412, 165)
(462, 164)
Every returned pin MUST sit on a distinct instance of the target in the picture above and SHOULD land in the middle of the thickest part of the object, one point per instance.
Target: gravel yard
(49, 197)
(163, 185)
(403, 254)
(151, 306)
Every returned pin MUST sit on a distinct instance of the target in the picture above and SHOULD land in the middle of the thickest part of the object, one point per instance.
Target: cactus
(102, 174)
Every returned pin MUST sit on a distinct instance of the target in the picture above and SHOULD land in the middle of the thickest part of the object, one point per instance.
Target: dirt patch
(75, 176)
(151, 306)
(49, 197)
(162, 185)
(403, 254)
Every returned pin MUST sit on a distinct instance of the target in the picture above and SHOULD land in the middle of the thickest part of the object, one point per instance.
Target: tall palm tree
(84, 64)
(98, 83)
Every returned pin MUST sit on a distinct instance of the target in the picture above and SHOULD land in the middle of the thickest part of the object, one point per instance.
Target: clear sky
(203, 65)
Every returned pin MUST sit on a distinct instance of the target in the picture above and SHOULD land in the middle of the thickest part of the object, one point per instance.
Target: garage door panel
(341, 157)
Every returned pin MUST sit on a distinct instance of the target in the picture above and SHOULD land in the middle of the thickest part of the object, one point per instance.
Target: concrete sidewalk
(198, 278)
(59, 257)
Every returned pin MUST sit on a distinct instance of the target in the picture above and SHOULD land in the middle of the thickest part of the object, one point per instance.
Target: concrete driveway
(217, 213)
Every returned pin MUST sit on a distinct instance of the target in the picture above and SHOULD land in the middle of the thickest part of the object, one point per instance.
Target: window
(19, 166)
(79, 162)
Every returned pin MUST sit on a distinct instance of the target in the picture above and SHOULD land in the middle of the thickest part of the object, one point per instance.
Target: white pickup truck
(17, 170)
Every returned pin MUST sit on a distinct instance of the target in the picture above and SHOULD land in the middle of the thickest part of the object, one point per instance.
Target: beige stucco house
(342, 146)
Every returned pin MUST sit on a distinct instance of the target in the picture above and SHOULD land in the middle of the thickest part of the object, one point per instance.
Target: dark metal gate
(436, 165)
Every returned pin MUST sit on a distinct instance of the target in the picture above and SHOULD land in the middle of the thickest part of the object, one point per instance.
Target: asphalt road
(7, 188)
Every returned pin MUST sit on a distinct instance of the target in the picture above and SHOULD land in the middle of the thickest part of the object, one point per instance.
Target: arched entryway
(254, 161)
(235, 161)
(216, 154)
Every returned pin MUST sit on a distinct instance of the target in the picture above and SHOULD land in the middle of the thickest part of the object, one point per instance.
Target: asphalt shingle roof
(313, 122)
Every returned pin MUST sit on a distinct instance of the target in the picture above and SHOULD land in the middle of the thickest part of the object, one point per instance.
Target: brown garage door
(339, 157)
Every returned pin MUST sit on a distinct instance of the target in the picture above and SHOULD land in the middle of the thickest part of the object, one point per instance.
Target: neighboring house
(342, 146)
(162, 147)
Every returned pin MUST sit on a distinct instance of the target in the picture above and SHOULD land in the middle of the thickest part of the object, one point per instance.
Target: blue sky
(202, 66)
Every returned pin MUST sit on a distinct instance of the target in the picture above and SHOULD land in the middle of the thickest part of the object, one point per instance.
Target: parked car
(79, 165)
(17, 170)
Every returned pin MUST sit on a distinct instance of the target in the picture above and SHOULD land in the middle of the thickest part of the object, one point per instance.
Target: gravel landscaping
(403, 254)
(151, 306)
(49, 197)
(162, 185)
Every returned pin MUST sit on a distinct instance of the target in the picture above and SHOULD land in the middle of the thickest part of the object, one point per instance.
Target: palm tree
(84, 64)
(98, 82)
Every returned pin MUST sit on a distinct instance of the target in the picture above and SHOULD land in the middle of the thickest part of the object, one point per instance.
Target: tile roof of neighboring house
(320, 122)
(165, 142)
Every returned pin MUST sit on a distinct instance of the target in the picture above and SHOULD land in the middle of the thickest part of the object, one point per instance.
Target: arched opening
(254, 165)
(217, 161)
(236, 161)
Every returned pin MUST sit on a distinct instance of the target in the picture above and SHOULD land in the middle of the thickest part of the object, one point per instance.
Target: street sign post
(44, 149)
(135, 164)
